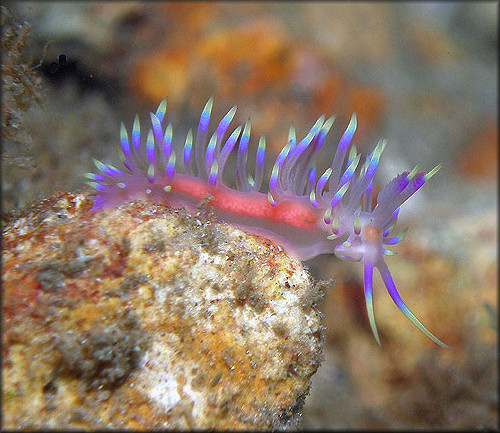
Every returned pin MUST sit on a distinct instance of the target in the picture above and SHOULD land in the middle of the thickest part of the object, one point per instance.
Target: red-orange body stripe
(247, 204)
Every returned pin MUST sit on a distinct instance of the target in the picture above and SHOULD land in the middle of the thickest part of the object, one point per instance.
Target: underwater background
(423, 75)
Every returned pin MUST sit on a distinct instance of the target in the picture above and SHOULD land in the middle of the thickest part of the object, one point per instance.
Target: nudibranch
(305, 213)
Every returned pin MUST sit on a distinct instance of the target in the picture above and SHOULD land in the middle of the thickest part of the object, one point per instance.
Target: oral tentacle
(391, 288)
(368, 287)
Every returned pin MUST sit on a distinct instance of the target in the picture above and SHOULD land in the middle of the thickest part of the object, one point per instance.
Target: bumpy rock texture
(144, 317)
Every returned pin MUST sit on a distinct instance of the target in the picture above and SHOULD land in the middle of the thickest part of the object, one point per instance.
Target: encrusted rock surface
(145, 317)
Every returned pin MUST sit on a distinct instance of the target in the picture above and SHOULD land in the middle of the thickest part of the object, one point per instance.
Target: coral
(143, 317)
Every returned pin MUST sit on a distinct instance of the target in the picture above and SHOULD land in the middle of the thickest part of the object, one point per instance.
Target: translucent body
(306, 214)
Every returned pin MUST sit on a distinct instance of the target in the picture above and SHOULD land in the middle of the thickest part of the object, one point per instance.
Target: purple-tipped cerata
(307, 215)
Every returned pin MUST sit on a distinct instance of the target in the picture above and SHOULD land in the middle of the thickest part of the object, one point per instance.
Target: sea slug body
(305, 213)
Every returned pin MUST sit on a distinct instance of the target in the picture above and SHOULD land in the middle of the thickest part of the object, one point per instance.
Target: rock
(142, 317)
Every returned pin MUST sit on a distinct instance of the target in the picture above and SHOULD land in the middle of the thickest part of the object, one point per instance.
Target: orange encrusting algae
(142, 317)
